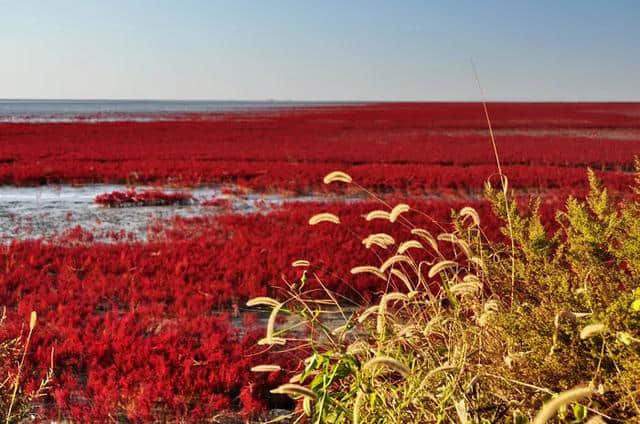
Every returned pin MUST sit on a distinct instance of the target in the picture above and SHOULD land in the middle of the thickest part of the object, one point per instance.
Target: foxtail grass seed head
(426, 235)
(464, 246)
(483, 319)
(409, 244)
(272, 321)
(377, 214)
(461, 411)
(469, 212)
(266, 368)
(294, 390)
(368, 269)
(380, 320)
(379, 239)
(393, 296)
(402, 277)
(324, 217)
(382, 309)
(367, 312)
(450, 237)
(442, 368)
(508, 361)
(388, 362)
(471, 278)
(263, 300)
(397, 210)
(339, 330)
(463, 289)
(429, 328)
(592, 330)
(32, 320)
(270, 341)
(478, 262)
(394, 260)
(408, 331)
(384, 237)
(357, 405)
(337, 176)
(491, 305)
(489, 308)
(358, 347)
(300, 263)
(441, 266)
(625, 337)
(374, 242)
(549, 410)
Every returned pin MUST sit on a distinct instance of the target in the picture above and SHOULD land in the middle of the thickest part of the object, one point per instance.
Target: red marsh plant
(544, 326)
(388, 146)
(142, 198)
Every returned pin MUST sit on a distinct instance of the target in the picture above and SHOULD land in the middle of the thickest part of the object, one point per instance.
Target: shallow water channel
(49, 211)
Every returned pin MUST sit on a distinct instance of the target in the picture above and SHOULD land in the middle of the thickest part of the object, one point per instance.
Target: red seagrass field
(157, 327)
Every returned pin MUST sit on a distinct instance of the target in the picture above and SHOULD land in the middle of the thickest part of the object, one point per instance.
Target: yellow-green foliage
(586, 274)
(514, 328)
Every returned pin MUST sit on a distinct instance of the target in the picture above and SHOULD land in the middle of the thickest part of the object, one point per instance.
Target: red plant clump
(218, 203)
(142, 198)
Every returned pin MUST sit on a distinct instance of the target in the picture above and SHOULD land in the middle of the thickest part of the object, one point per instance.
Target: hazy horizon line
(354, 101)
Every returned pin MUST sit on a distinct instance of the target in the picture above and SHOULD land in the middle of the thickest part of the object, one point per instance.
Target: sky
(343, 50)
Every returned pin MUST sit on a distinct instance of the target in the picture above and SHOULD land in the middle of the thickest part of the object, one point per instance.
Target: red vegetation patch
(288, 149)
(142, 198)
(224, 204)
(139, 329)
(135, 326)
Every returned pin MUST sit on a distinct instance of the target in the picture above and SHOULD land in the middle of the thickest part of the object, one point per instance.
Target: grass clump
(16, 403)
(544, 325)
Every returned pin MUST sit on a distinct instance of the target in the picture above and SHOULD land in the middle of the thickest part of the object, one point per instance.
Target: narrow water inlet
(48, 211)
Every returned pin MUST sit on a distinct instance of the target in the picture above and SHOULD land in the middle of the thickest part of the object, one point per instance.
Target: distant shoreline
(131, 110)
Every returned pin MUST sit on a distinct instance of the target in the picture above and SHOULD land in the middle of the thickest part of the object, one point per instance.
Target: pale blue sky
(320, 50)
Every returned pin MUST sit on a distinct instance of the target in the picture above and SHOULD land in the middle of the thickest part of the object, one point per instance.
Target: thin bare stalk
(502, 181)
